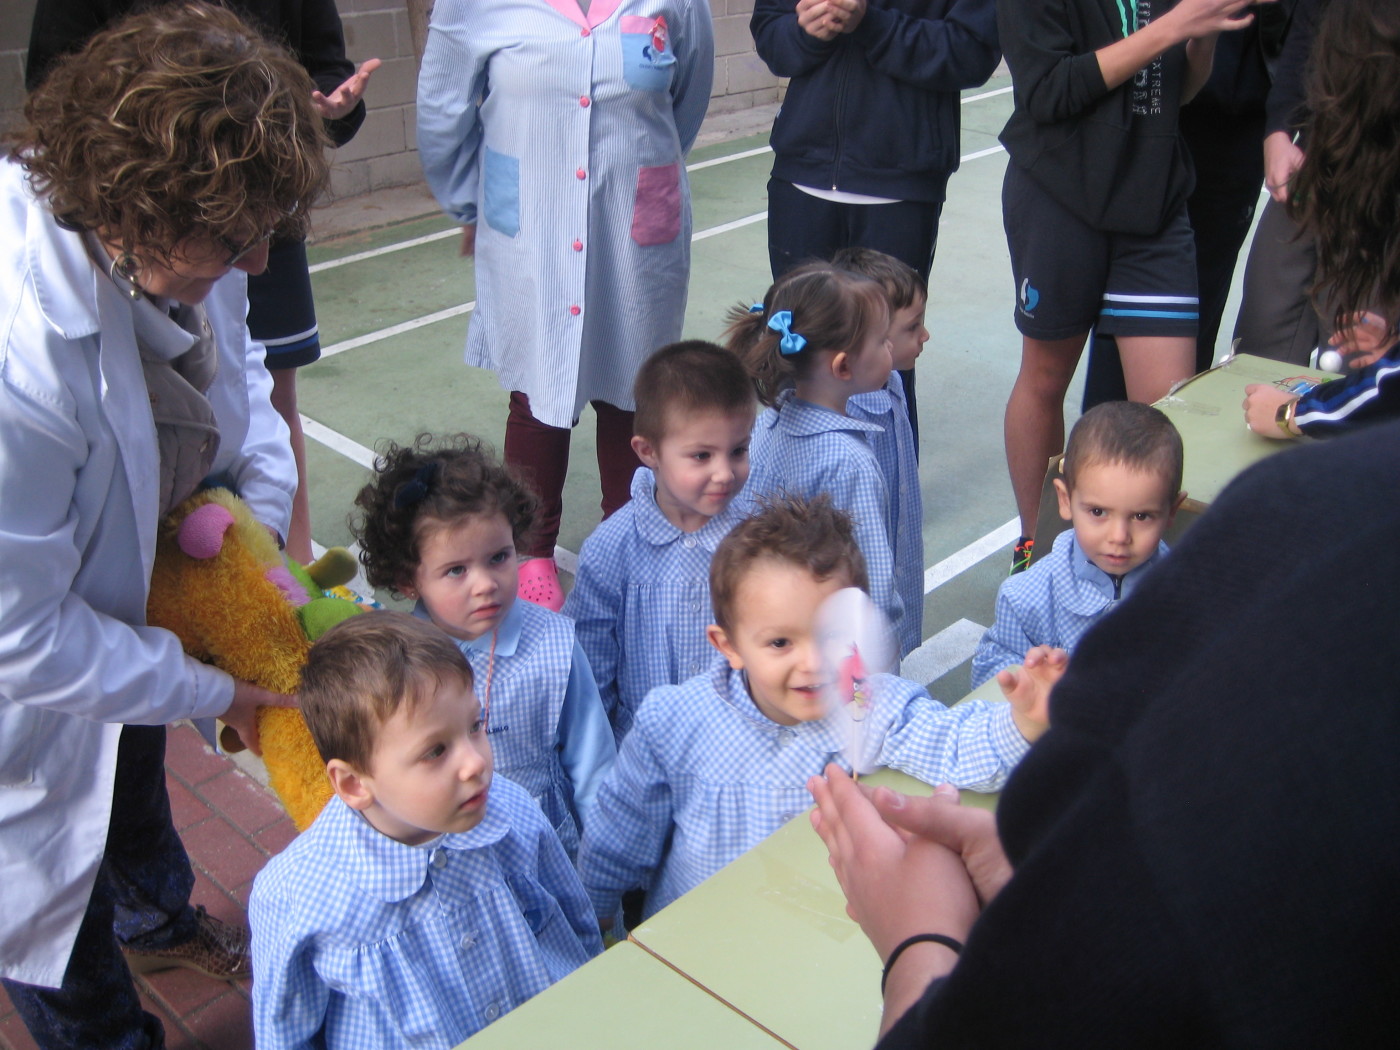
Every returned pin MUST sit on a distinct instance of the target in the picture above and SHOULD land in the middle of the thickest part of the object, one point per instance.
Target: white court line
(398, 329)
(935, 576)
(716, 161)
(987, 94)
(338, 442)
(726, 227)
(942, 652)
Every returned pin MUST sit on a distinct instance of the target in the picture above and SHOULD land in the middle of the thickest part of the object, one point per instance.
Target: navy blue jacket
(877, 110)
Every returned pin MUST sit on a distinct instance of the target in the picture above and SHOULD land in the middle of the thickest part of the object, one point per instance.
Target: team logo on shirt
(647, 58)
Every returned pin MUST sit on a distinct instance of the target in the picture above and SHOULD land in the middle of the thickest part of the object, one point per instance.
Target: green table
(623, 1000)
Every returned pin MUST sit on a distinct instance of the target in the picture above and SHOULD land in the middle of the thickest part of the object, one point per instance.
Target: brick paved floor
(230, 824)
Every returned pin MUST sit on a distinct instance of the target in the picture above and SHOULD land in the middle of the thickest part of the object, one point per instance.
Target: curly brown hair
(1347, 193)
(176, 121)
(422, 487)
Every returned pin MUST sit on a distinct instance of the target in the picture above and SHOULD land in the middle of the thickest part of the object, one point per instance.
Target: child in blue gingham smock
(715, 764)
(429, 897)
(441, 526)
(818, 339)
(641, 600)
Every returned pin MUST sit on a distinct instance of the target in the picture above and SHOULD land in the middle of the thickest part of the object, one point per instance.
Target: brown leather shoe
(217, 950)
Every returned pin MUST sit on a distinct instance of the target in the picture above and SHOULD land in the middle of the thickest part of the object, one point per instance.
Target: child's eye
(1097, 512)
(456, 570)
(478, 726)
(701, 457)
(741, 452)
(780, 643)
(434, 752)
(1143, 515)
(501, 555)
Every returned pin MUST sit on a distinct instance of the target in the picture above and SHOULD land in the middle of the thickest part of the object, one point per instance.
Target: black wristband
(909, 942)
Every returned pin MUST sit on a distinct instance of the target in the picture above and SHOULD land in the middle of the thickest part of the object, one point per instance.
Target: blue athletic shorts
(1070, 277)
(281, 311)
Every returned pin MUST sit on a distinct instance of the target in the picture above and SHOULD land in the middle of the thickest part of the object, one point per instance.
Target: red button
(578, 246)
(586, 32)
(584, 101)
(575, 310)
(581, 173)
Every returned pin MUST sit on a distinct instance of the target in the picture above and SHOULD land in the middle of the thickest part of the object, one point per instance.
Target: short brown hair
(690, 376)
(426, 485)
(902, 284)
(810, 534)
(176, 121)
(1134, 435)
(363, 670)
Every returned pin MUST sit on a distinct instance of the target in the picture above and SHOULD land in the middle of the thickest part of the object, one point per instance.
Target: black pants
(1229, 172)
(802, 228)
(141, 900)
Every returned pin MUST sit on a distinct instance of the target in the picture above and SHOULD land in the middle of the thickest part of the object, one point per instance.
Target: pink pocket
(656, 215)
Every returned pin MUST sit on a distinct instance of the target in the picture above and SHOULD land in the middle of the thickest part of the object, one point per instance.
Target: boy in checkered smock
(1120, 492)
(641, 601)
(427, 899)
(716, 764)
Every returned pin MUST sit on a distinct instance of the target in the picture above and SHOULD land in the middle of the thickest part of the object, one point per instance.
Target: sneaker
(539, 583)
(216, 950)
(1021, 555)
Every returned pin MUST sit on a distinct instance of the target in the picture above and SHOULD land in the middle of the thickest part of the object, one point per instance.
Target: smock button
(688, 543)
(585, 31)
(578, 246)
(468, 942)
(581, 174)
(439, 859)
(575, 310)
(492, 1012)
(585, 101)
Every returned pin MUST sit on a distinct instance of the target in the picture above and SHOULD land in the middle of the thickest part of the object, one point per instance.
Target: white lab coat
(78, 514)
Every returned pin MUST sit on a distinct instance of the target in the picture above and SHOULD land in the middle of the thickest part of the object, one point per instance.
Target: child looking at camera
(817, 340)
(895, 446)
(714, 765)
(1120, 493)
(441, 525)
(641, 599)
(428, 898)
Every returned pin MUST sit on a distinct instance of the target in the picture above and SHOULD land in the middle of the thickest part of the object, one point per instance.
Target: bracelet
(1284, 418)
(909, 942)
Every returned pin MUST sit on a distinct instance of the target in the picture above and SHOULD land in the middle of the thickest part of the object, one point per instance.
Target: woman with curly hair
(1346, 196)
(151, 171)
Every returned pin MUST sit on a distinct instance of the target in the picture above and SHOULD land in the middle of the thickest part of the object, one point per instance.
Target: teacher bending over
(151, 166)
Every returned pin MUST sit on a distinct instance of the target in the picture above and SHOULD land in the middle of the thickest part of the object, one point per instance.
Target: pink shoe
(539, 583)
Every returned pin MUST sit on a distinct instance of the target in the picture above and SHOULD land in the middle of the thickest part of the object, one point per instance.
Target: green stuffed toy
(234, 600)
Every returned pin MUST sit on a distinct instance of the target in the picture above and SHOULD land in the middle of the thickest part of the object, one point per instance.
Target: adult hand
(1028, 688)
(468, 247)
(896, 884)
(1282, 159)
(1364, 340)
(848, 14)
(815, 19)
(346, 97)
(242, 714)
(1261, 402)
(1201, 18)
(969, 832)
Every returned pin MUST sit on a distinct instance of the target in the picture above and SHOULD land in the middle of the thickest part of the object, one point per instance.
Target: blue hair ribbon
(756, 308)
(791, 342)
(413, 492)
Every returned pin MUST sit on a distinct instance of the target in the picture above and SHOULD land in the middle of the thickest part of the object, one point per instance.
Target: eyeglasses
(235, 252)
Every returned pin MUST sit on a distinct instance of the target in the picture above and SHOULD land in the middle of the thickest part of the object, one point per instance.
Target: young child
(428, 898)
(715, 764)
(641, 600)
(442, 526)
(817, 340)
(895, 446)
(1120, 492)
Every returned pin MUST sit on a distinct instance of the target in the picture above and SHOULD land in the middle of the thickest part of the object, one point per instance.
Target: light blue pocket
(501, 192)
(647, 58)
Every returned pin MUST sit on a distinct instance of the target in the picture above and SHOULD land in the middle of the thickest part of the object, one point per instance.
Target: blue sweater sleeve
(786, 48)
(1367, 396)
(958, 50)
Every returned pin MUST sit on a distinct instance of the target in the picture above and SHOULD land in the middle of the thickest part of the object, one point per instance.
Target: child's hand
(1261, 402)
(1206, 18)
(1028, 688)
(1364, 341)
(346, 97)
(815, 19)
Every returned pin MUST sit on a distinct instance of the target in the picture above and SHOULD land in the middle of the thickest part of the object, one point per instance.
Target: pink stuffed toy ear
(201, 534)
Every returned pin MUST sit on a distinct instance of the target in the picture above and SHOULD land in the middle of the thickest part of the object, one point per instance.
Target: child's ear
(1062, 492)
(1176, 506)
(353, 789)
(720, 640)
(645, 451)
(840, 365)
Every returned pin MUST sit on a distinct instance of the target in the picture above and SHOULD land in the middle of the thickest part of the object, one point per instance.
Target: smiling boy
(641, 600)
(1120, 493)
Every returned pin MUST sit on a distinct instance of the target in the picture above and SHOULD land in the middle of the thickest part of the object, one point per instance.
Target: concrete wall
(382, 153)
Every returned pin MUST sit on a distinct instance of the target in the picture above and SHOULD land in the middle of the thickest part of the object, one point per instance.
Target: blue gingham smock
(361, 941)
(1054, 602)
(898, 457)
(641, 600)
(802, 449)
(547, 727)
(703, 776)
(562, 136)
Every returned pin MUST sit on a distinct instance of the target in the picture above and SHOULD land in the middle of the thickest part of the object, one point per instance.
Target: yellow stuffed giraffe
(233, 599)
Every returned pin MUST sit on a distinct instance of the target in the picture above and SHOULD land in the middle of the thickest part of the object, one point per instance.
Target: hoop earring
(123, 272)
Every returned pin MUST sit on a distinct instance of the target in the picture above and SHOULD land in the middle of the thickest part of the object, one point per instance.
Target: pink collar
(598, 11)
